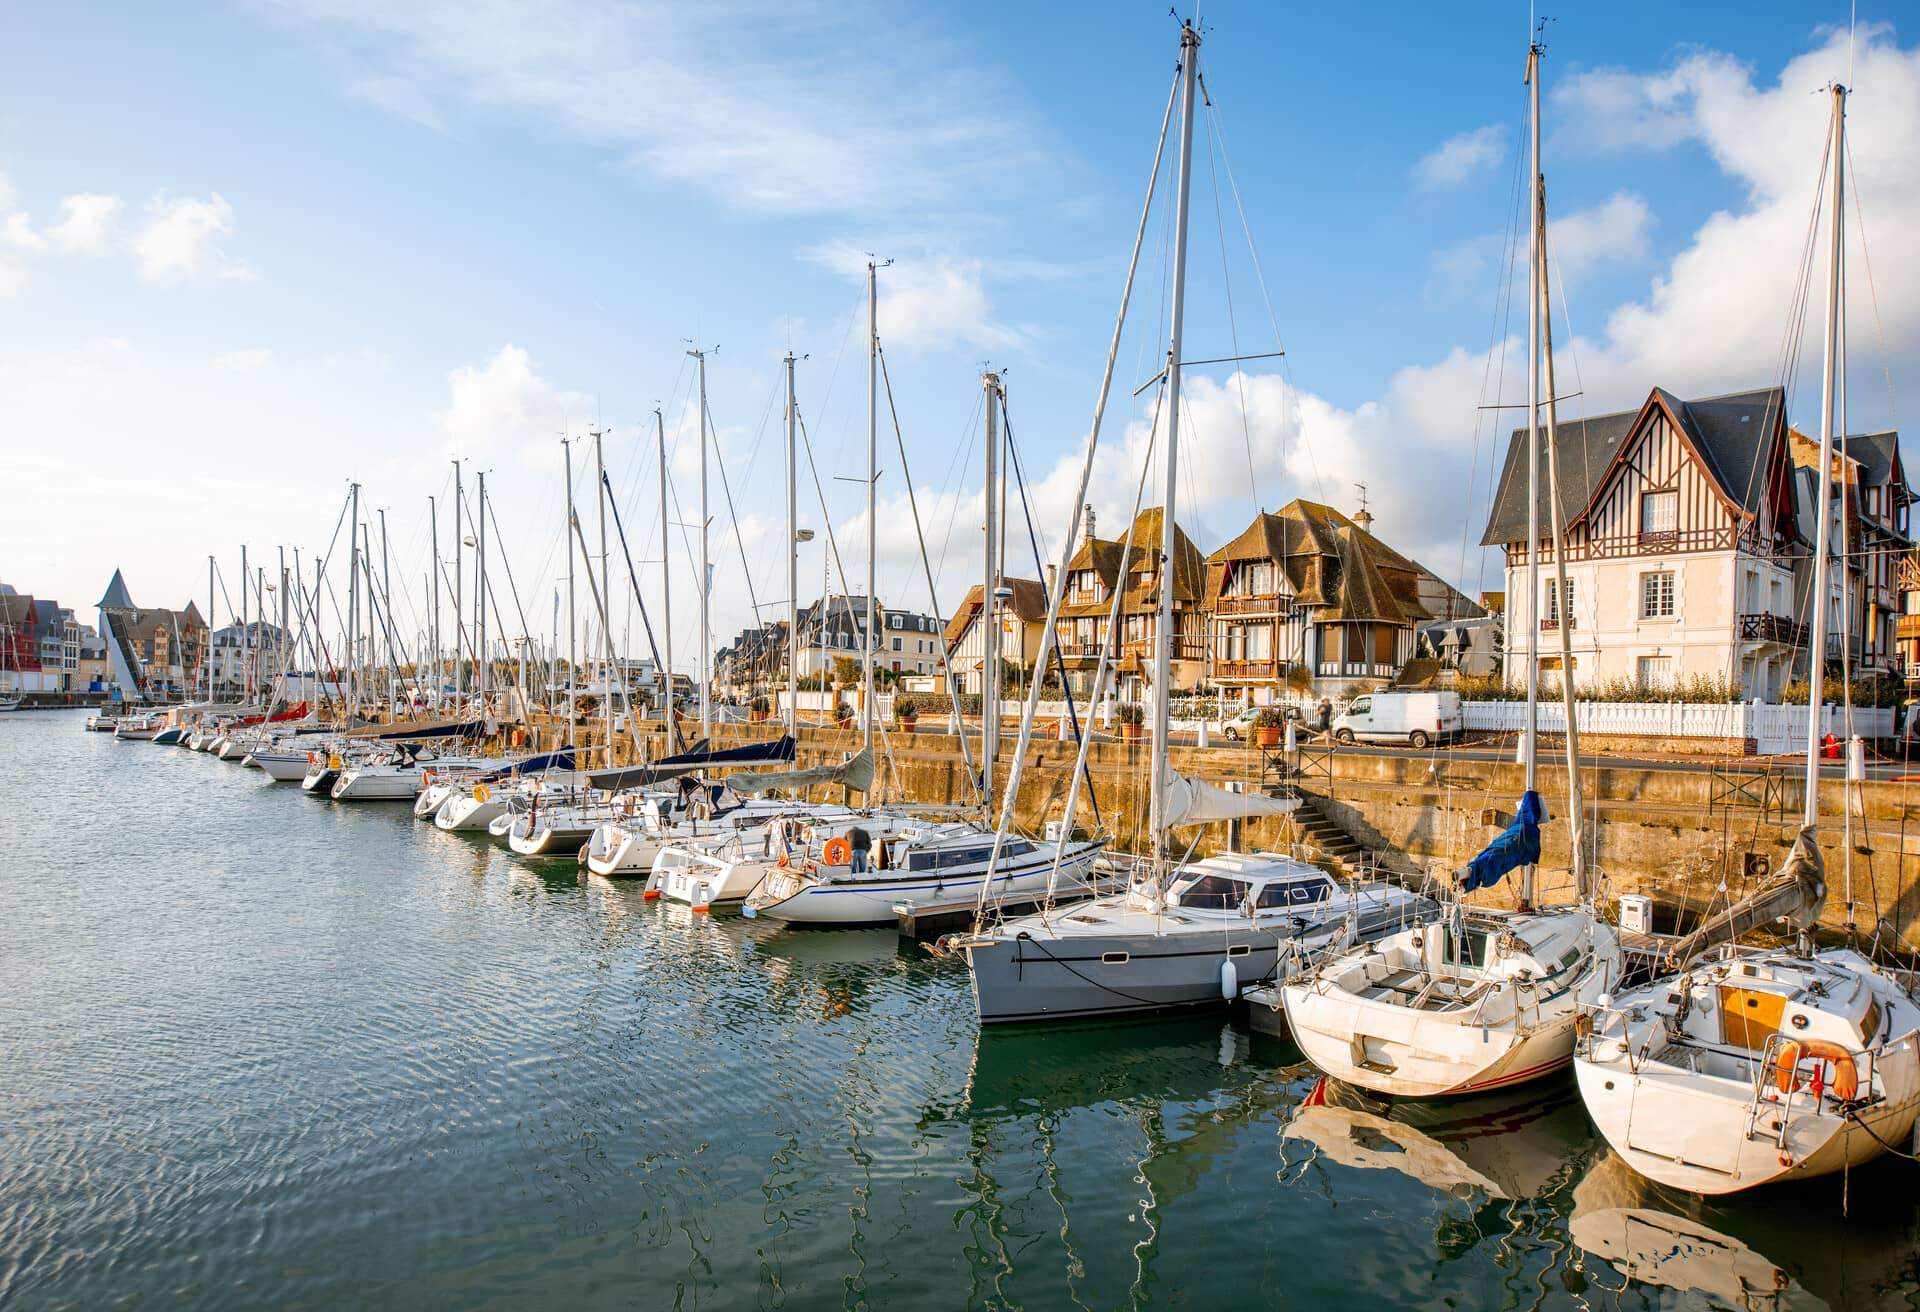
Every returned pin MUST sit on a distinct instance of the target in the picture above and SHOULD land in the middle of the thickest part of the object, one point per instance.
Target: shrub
(906, 706)
(842, 711)
(1270, 717)
(760, 705)
(1131, 713)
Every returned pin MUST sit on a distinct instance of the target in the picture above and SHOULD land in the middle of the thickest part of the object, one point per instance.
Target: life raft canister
(838, 852)
(1846, 1076)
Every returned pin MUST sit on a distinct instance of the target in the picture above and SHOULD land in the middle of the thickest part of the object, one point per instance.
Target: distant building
(241, 659)
(1094, 574)
(1309, 599)
(1023, 618)
(152, 654)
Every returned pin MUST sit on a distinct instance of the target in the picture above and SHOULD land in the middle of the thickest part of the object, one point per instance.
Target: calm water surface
(259, 1048)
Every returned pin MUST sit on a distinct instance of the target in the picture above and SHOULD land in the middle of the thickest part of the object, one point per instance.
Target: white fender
(1229, 981)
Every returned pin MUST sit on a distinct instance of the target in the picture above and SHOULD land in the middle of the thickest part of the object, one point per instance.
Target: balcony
(1239, 671)
(1357, 669)
(1553, 625)
(1184, 648)
(1773, 628)
(1906, 626)
(1268, 604)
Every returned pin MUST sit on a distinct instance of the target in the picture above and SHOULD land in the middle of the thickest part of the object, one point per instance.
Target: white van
(1415, 718)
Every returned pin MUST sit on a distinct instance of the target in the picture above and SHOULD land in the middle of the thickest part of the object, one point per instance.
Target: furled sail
(1518, 845)
(700, 758)
(1187, 801)
(856, 772)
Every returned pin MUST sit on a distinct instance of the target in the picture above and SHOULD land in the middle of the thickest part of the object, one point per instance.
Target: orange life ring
(837, 852)
(1846, 1077)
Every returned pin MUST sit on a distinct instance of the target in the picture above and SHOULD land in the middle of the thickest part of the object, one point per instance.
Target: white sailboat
(1485, 999)
(1762, 1064)
(1192, 934)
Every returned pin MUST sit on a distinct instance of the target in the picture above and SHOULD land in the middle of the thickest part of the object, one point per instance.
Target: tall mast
(1163, 627)
(989, 600)
(666, 579)
(207, 658)
(572, 625)
(281, 641)
(433, 579)
(353, 600)
(1576, 813)
(459, 587)
(1530, 732)
(246, 666)
(606, 592)
(480, 596)
(870, 642)
(793, 560)
(705, 580)
(1817, 642)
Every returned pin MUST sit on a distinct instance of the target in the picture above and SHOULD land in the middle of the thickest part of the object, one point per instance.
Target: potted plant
(1132, 716)
(760, 707)
(905, 710)
(1269, 723)
(843, 714)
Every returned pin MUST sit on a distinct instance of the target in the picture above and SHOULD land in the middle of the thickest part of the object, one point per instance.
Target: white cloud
(183, 239)
(86, 222)
(1460, 157)
(760, 105)
(929, 300)
(7, 193)
(1616, 109)
(244, 361)
(12, 279)
(1613, 232)
(19, 232)
(504, 405)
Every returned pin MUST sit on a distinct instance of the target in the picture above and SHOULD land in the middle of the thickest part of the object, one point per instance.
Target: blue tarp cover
(1518, 845)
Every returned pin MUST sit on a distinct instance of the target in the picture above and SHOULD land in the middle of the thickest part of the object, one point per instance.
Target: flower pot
(907, 722)
(1270, 735)
(1131, 732)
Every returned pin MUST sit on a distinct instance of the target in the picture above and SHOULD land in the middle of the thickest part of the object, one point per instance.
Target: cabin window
(1214, 891)
(1472, 945)
(1656, 595)
(1659, 514)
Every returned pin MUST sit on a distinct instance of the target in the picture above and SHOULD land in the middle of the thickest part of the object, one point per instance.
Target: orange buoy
(837, 852)
(1846, 1077)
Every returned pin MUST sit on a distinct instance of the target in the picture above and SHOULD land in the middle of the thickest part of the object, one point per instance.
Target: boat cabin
(1250, 884)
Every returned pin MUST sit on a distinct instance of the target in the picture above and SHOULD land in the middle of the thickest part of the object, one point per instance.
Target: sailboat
(1761, 1064)
(1181, 935)
(1485, 999)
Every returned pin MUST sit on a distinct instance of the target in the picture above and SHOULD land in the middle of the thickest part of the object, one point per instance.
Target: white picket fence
(1774, 729)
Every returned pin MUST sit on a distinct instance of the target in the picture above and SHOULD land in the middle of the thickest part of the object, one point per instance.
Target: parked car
(1241, 725)
(1414, 718)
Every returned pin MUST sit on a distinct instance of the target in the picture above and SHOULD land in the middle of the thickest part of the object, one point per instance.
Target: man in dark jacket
(861, 842)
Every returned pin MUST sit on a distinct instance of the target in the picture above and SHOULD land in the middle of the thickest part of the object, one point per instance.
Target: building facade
(1023, 618)
(1099, 568)
(1681, 542)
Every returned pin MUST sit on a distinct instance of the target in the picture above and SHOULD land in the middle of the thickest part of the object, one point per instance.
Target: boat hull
(463, 813)
(795, 898)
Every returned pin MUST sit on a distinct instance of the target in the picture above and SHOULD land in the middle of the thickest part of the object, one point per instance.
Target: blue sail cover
(1518, 845)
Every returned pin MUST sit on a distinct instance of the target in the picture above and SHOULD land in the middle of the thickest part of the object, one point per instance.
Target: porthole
(1799, 1020)
(1239, 949)
(1115, 958)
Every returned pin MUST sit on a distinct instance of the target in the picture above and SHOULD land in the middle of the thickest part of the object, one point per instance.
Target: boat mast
(989, 599)
(353, 600)
(1530, 733)
(246, 666)
(870, 642)
(1817, 642)
(666, 578)
(433, 579)
(572, 625)
(793, 561)
(706, 581)
(206, 658)
(480, 648)
(606, 593)
(1163, 627)
(459, 588)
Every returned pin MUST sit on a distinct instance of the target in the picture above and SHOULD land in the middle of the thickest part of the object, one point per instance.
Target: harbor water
(262, 1049)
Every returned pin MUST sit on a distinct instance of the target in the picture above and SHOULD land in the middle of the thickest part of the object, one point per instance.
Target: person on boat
(859, 843)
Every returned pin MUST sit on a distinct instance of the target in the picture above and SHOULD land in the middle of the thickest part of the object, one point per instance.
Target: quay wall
(1675, 833)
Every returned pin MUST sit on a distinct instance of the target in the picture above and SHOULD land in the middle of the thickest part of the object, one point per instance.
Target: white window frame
(1648, 607)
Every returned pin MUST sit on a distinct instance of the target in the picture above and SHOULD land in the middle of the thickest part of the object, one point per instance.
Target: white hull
(1390, 1019)
(1707, 1098)
(846, 900)
(377, 784)
(284, 767)
(464, 813)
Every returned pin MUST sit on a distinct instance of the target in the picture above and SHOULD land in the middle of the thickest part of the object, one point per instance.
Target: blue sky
(253, 250)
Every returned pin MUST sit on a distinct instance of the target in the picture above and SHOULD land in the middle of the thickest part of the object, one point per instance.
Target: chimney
(1364, 519)
(1053, 572)
(1090, 533)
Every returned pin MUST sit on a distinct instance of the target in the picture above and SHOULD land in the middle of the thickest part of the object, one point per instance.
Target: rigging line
(1873, 291)
(1233, 324)
(964, 457)
(1500, 340)
(526, 630)
(753, 597)
(833, 545)
(1039, 565)
(646, 623)
(933, 593)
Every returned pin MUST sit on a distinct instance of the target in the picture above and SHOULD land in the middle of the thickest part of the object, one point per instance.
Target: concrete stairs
(1332, 847)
